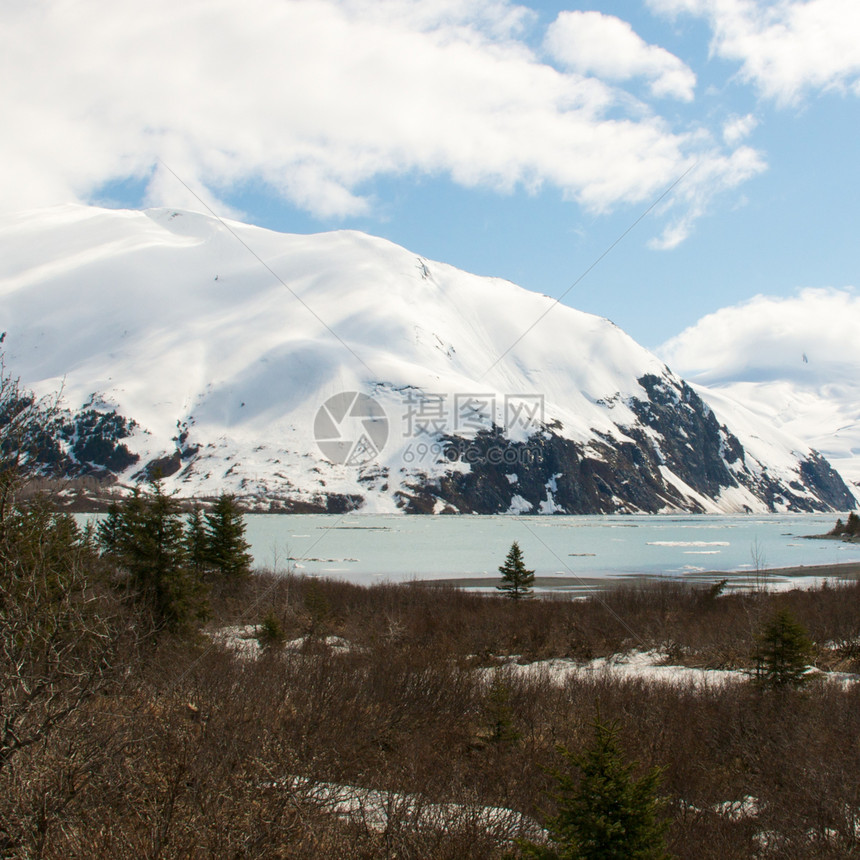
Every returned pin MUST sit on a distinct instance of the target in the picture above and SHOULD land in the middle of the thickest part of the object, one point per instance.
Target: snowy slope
(824, 413)
(223, 341)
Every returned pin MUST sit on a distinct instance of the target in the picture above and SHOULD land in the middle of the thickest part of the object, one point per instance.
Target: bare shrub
(401, 737)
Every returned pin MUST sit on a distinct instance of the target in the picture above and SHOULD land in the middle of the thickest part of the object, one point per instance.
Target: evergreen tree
(500, 717)
(109, 530)
(270, 631)
(227, 548)
(605, 814)
(516, 579)
(115, 534)
(783, 653)
(37, 537)
(58, 629)
(145, 536)
(196, 541)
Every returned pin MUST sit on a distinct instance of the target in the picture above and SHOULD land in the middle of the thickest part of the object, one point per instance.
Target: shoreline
(841, 570)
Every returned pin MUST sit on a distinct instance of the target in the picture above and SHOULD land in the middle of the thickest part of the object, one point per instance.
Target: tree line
(170, 561)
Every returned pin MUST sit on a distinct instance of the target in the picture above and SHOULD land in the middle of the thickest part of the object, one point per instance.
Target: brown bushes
(197, 752)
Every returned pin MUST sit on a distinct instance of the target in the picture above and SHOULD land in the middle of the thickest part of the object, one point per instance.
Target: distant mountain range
(338, 371)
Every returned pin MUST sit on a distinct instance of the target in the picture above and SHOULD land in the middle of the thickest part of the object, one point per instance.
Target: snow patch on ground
(378, 810)
(243, 641)
(648, 666)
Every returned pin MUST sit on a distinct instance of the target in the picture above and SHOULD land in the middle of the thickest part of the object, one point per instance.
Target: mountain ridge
(224, 354)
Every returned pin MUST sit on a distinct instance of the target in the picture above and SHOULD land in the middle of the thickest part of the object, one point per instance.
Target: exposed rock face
(84, 444)
(550, 474)
(818, 473)
(675, 457)
(692, 443)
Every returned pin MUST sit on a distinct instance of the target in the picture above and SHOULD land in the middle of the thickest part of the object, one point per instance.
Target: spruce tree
(117, 532)
(37, 537)
(59, 631)
(270, 631)
(196, 541)
(783, 653)
(145, 536)
(227, 549)
(516, 579)
(109, 529)
(500, 718)
(606, 813)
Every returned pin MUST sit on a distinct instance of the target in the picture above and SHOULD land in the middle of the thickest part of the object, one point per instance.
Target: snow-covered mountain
(340, 371)
(823, 408)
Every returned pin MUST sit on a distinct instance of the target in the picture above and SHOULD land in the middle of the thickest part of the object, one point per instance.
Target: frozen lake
(367, 548)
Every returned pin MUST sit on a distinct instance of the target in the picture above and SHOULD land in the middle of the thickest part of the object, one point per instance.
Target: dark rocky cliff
(675, 430)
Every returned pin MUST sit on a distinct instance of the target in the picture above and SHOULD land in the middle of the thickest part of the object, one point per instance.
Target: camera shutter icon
(351, 428)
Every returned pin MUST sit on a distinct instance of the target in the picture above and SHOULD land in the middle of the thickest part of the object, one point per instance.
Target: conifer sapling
(517, 581)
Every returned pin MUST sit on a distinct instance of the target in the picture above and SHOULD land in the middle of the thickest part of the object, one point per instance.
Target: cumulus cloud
(785, 48)
(609, 48)
(813, 332)
(317, 98)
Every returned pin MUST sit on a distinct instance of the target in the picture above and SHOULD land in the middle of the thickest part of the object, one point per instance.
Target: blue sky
(511, 139)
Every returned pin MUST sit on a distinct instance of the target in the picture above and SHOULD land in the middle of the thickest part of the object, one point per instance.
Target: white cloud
(767, 337)
(785, 48)
(710, 176)
(738, 128)
(316, 98)
(607, 47)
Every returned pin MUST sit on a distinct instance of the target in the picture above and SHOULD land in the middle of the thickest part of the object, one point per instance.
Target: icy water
(367, 548)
